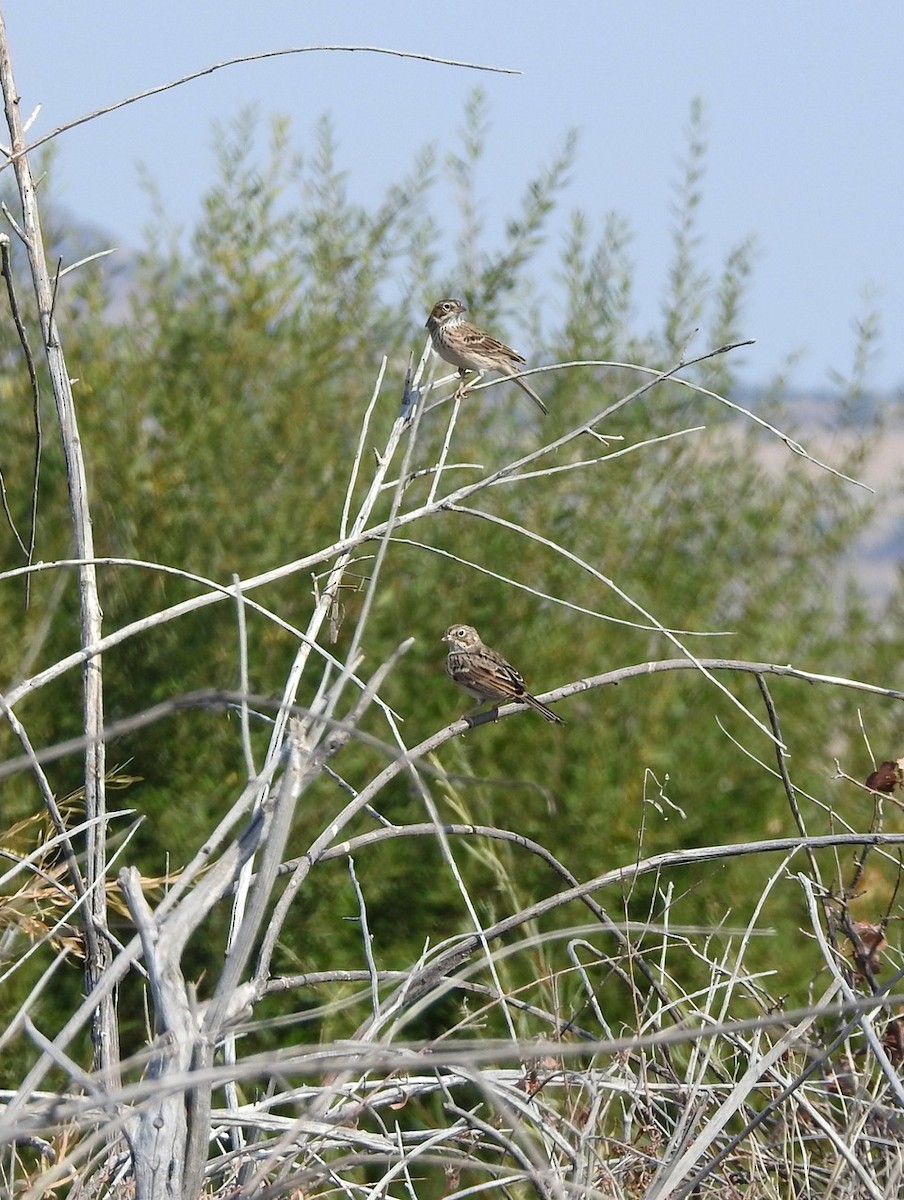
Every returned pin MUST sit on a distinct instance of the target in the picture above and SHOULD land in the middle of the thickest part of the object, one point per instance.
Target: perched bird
(485, 674)
(470, 349)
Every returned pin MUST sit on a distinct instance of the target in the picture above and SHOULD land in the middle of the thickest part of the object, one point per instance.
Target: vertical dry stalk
(97, 950)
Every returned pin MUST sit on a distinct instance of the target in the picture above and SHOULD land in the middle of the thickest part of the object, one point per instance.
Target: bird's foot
(473, 719)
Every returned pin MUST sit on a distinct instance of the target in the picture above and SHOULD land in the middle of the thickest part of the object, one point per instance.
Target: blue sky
(804, 114)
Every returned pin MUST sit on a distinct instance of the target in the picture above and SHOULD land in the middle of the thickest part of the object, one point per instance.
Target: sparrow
(485, 674)
(470, 349)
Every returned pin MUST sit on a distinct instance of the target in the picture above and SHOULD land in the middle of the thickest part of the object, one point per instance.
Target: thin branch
(326, 1059)
(105, 1030)
(340, 549)
(366, 937)
(865, 1019)
(558, 600)
(603, 458)
(22, 332)
(613, 586)
(216, 698)
(246, 58)
(338, 737)
(792, 445)
(359, 449)
(781, 759)
(244, 688)
(87, 259)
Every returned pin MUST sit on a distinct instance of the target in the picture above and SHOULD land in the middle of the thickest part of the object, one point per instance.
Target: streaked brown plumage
(485, 674)
(470, 349)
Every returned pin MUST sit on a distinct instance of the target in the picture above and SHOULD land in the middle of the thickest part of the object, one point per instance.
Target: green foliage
(220, 408)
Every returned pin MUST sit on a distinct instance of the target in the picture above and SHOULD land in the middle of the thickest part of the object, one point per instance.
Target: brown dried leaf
(885, 778)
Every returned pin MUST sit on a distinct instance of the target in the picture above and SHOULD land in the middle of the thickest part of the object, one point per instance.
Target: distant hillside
(828, 431)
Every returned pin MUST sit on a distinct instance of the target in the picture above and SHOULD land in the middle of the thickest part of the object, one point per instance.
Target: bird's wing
(506, 677)
(488, 345)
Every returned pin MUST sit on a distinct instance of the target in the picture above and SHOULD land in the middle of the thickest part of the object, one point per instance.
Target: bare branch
(17, 151)
(105, 1032)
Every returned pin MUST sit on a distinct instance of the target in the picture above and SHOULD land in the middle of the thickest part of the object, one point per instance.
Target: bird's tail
(541, 708)
(525, 387)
